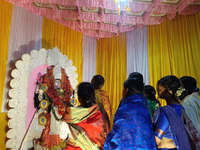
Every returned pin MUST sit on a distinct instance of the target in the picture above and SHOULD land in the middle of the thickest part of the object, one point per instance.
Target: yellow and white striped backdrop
(172, 47)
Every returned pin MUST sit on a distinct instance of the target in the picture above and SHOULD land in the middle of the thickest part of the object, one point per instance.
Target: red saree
(89, 127)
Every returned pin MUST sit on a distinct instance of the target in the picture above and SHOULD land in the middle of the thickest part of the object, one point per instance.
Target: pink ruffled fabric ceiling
(99, 18)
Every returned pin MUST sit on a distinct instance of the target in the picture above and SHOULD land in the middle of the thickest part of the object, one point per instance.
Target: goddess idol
(43, 84)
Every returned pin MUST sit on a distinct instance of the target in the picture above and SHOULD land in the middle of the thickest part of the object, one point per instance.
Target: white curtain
(89, 57)
(137, 52)
(25, 35)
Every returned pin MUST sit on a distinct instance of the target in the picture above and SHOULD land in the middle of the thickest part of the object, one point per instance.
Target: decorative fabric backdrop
(137, 52)
(5, 17)
(69, 42)
(89, 57)
(173, 48)
(25, 35)
(99, 18)
(111, 64)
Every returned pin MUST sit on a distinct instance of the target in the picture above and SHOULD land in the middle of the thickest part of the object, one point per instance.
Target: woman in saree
(140, 77)
(132, 127)
(102, 97)
(88, 123)
(191, 102)
(169, 128)
(153, 103)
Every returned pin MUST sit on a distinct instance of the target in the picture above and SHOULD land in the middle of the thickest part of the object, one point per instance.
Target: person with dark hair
(191, 102)
(88, 123)
(190, 84)
(138, 76)
(153, 103)
(132, 127)
(169, 128)
(86, 95)
(97, 81)
(102, 97)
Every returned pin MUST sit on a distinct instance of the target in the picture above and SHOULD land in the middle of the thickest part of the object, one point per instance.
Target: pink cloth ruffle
(104, 23)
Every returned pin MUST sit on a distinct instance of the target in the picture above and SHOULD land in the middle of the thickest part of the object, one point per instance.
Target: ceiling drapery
(99, 18)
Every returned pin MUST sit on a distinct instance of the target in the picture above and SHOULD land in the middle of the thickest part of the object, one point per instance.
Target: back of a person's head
(189, 83)
(86, 94)
(97, 81)
(134, 86)
(149, 91)
(172, 83)
(137, 75)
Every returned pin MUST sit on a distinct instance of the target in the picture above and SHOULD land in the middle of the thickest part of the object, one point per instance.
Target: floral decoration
(55, 92)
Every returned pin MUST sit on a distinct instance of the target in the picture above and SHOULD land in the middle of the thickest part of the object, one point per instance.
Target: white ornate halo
(19, 92)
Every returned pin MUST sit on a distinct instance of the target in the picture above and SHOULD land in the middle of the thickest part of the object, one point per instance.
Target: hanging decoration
(125, 3)
(105, 18)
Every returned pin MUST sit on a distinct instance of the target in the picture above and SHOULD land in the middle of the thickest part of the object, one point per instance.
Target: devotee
(88, 123)
(153, 103)
(132, 127)
(102, 97)
(139, 76)
(169, 129)
(191, 102)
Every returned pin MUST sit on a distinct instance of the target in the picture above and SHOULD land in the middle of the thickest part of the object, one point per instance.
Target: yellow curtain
(173, 48)
(111, 63)
(67, 40)
(5, 17)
